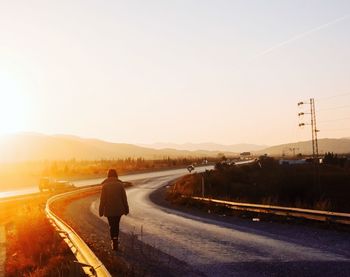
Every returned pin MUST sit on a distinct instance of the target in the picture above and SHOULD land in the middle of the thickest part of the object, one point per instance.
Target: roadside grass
(33, 247)
(292, 186)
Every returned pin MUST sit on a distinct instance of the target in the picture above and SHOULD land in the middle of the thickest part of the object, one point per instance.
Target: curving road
(230, 246)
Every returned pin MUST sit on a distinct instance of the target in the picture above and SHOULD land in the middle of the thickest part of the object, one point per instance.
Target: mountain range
(340, 146)
(208, 146)
(38, 147)
(33, 146)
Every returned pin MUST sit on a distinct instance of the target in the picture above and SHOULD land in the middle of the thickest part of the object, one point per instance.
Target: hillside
(340, 146)
(236, 148)
(38, 147)
(31, 146)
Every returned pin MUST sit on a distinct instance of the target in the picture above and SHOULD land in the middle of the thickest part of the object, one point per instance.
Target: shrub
(308, 186)
(35, 249)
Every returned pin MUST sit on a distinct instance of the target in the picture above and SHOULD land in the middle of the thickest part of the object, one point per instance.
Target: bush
(35, 249)
(307, 186)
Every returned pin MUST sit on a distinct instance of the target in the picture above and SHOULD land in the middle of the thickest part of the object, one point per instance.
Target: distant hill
(236, 148)
(340, 146)
(37, 147)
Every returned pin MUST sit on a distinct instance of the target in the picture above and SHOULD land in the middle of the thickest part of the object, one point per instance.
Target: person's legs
(113, 222)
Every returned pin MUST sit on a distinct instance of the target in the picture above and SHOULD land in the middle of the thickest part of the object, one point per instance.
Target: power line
(332, 96)
(332, 120)
(334, 108)
(341, 129)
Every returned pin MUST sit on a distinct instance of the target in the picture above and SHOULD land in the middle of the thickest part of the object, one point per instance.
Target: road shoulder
(136, 258)
(308, 235)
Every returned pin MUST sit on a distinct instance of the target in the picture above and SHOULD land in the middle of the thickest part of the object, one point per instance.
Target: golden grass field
(33, 247)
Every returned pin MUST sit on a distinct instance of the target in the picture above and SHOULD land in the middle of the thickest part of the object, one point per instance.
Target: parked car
(49, 184)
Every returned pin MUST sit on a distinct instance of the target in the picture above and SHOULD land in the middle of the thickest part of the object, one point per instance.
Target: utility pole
(313, 127)
(314, 130)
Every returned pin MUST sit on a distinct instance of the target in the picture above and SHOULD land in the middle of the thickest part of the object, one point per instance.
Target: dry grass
(33, 246)
(323, 205)
(300, 186)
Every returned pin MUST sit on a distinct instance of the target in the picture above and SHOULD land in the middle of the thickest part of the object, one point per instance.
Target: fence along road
(343, 218)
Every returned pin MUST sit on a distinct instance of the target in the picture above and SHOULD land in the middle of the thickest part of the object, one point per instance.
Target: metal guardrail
(343, 218)
(92, 266)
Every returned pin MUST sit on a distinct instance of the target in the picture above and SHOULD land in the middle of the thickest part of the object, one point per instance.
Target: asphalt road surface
(217, 246)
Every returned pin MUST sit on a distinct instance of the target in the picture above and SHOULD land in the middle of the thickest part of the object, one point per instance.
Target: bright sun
(13, 107)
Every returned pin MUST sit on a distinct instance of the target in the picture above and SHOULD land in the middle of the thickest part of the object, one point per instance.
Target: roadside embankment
(308, 186)
(2, 250)
(33, 247)
(186, 194)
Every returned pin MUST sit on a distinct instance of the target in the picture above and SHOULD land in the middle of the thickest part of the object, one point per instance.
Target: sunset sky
(174, 71)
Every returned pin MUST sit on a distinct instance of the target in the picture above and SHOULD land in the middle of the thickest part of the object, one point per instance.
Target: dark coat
(113, 201)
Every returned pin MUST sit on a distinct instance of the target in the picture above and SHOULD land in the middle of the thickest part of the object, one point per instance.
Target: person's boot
(115, 243)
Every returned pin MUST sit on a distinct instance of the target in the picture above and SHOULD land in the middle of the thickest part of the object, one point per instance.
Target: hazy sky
(174, 71)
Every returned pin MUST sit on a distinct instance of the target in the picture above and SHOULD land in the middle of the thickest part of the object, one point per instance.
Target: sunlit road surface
(18, 192)
(233, 247)
(87, 182)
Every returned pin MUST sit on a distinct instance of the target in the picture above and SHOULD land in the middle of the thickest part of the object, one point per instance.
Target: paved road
(233, 247)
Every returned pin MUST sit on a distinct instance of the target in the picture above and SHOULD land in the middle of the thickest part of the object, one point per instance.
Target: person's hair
(112, 173)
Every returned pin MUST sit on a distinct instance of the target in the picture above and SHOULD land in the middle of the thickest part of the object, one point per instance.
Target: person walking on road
(113, 204)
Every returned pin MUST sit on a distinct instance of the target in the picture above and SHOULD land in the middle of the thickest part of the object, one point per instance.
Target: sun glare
(13, 106)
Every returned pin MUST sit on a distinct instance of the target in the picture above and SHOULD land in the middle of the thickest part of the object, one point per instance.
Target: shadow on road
(302, 268)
